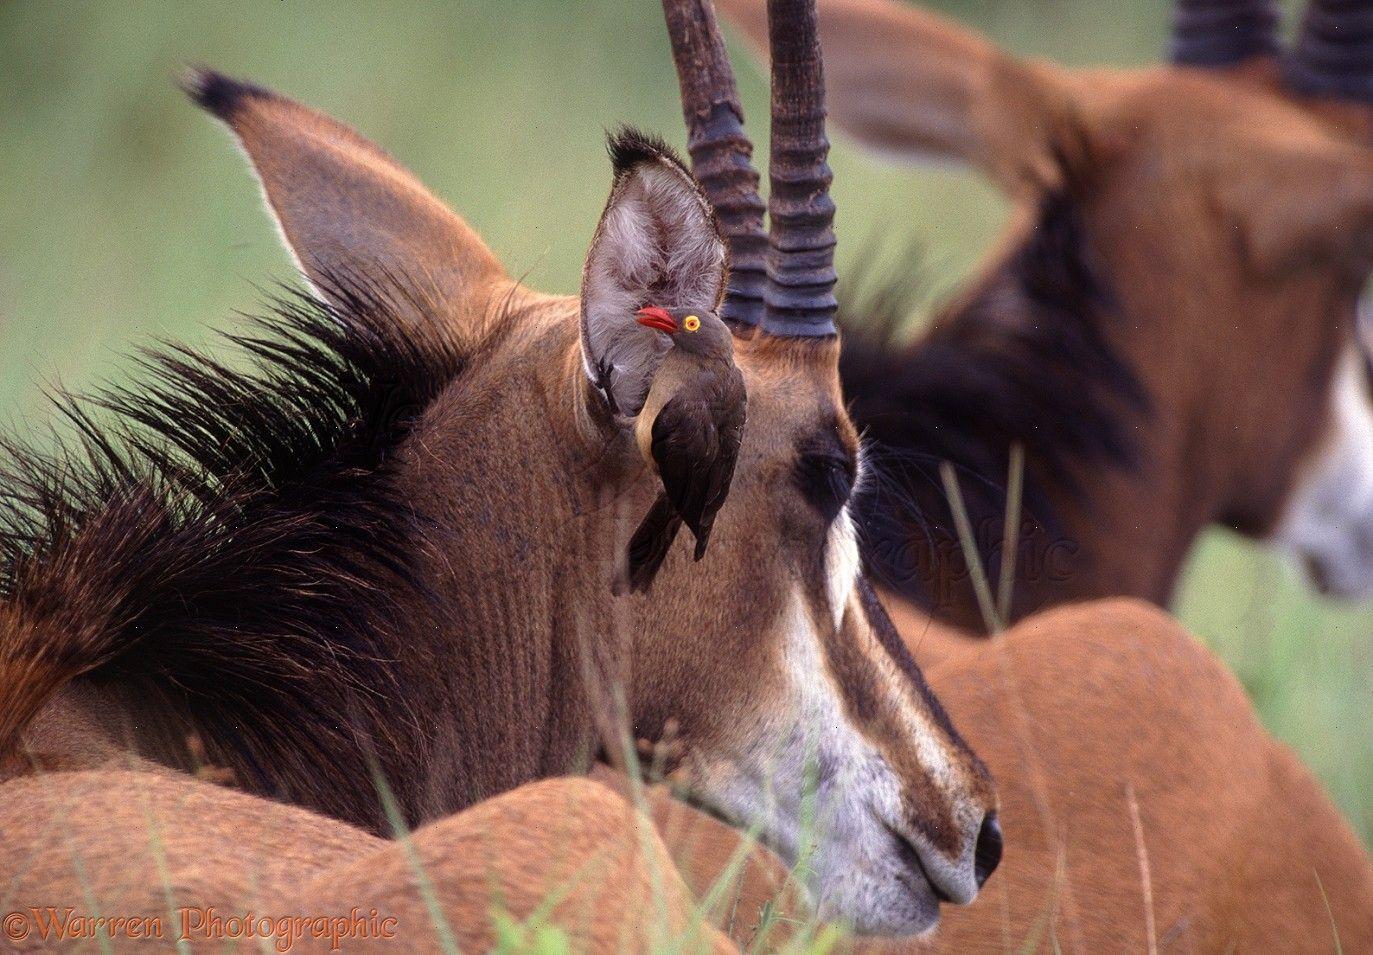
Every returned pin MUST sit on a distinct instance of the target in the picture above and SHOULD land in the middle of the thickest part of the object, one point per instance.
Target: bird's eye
(826, 479)
(691, 323)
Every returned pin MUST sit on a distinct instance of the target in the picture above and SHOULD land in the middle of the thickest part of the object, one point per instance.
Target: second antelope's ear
(912, 85)
(1310, 202)
(348, 211)
(657, 244)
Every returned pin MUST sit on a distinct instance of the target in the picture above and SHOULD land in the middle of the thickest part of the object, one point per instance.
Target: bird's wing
(733, 404)
(696, 439)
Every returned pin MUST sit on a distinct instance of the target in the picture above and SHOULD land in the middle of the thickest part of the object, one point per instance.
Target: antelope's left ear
(346, 209)
(657, 244)
(1311, 202)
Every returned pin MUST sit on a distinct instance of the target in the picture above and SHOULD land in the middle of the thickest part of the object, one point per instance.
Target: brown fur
(566, 851)
(1230, 222)
(1079, 711)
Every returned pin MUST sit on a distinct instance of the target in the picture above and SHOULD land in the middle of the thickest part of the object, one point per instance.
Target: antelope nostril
(911, 855)
(987, 855)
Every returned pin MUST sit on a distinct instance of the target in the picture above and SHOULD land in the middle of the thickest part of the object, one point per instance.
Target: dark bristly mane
(1027, 360)
(224, 547)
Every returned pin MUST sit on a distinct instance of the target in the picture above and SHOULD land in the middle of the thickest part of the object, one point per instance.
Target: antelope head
(770, 663)
(1225, 200)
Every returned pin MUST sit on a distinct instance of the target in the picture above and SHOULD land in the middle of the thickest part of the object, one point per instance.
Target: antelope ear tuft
(657, 244)
(628, 147)
(217, 94)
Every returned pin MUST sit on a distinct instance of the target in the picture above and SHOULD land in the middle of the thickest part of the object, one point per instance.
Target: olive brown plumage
(689, 430)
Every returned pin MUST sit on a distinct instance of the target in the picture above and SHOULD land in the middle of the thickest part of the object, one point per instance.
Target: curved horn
(1333, 55)
(800, 289)
(721, 154)
(1223, 32)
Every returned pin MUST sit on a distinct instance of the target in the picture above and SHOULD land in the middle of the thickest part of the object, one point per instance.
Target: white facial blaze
(823, 794)
(1328, 522)
(841, 564)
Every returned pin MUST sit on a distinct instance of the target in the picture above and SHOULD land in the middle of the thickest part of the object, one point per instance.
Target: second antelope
(1168, 324)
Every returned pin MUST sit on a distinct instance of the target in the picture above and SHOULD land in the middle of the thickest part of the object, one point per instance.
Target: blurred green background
(126, 215)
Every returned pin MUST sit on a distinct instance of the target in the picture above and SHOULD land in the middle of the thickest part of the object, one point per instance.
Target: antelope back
(565, 852)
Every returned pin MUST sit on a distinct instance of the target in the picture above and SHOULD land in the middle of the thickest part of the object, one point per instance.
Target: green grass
(125, 215)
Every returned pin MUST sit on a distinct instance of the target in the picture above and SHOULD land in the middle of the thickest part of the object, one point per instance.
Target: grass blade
(1146, 880)
(976, 571)
(1330, 913)
(1010, 531)
(448, 942)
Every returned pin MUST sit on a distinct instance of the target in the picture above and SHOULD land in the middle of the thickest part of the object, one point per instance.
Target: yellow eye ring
(691, 323)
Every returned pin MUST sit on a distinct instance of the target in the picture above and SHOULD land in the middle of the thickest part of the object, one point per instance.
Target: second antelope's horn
(1223, 32)
(1333, 54)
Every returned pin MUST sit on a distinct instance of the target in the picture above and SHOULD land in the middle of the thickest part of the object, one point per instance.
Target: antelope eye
(826, 479)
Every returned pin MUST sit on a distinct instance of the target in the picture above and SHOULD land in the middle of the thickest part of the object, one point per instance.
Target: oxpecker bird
(689, 430)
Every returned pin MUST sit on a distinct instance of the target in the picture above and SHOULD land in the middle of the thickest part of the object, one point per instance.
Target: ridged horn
(1217, 33)
(800, 289)
(1333, 53)
(721, 153)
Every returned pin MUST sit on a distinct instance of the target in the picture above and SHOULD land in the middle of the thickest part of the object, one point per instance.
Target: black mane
(224, 548)
(1026, 360)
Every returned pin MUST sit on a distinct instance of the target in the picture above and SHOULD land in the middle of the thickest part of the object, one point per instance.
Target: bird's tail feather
(702, 539)
(649, 546)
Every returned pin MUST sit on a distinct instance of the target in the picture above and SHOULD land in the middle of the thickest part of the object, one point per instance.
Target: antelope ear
(344, 207)
(657, 244)
(912, 85)
(1312, 202)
